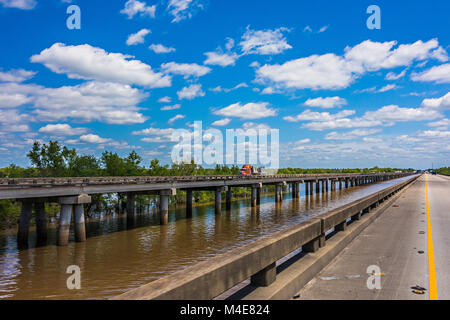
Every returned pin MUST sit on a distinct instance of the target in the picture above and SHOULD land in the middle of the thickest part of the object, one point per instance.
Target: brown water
(114, 259)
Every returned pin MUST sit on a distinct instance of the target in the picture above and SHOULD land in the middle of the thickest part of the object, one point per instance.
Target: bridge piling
(317, 187)
(258, 196)
(278, 192)
(41, 222)
(218, 202)
(24, 224)
(163, 209)
(130, 207)
(64, 224)
(80, 228)
(306, 188)
(228, 199)
(189, 203)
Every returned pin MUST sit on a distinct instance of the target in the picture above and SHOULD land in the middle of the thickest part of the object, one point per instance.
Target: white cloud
(93, 138)
(137, 37)
(19, 4)
(442, 103)
(397, 114)
(221, 122)
(13, 100)
(183, 9)
(133, 7)
(167, 132)
(388, 87)
(12, 121)
(393, 76)
(326, 103)
(62, 129)
(441, 124)
(175, 118)
(264, 42)
(319, 116)
(173, 107)
(185, 69)
(91, 63)
(341, 123)
(18, 75)
(256, 126)
(220, 89)
(323, 29)
(165, 99)
(159, 48)
(330, 71)
(220, 59)
(191, 92)
(438, 74)
(91, 101)
(351, 134)
(434, 134)
(247, 111)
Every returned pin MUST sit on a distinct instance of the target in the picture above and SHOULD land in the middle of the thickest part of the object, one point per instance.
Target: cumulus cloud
(326, 103)
(137, 37)
(220, 59)
(247, 111)
(11, 100)
(185, 69)
(17, 75)
(397, 114)
(438, 74)
(264, 42)
(330, 71)
(175, 118)
(350, 134)
(183, 9)
(191, 92)
(92, 63)
(19, 4)
(165, 99)
(62, 129)
(173, 107)
(221, 122)
(442, 103)
(434, 134)
(159, 48)
(319, 116)
(394, 76)
(133, 7)
(91, 101)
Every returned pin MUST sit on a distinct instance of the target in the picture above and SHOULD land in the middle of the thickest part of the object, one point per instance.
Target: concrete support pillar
(253, 196)
(323, 186)
(218, 204)
(258, 196)
(64, 224)
(188, 203)
(333, 185)
(265, 277)
(311, 189)
(278, 192)
(80, 227)
(24, 223)
(317, 187)
(327, 188)
(67, 204)
(163, 209)
(41, 223)
(340, 184)
(306, 188)
(346, 182)
(130, 204)
(228, 199)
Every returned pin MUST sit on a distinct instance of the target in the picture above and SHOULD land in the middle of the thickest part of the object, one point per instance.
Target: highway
(409, 243)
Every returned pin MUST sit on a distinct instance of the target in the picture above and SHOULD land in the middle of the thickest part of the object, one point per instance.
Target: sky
(340, 93)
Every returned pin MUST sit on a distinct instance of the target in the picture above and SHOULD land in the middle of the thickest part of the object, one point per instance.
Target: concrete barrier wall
(210, 278)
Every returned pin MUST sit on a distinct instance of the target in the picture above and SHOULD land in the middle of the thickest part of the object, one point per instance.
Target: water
(114, 259)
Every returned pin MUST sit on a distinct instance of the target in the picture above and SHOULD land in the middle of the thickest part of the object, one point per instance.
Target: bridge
(73, 193)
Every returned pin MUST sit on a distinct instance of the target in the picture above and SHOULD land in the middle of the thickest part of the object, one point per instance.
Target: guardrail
(210, 278)
(76, 181)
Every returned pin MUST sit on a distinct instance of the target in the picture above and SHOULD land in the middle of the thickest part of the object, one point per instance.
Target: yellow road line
(431, 266)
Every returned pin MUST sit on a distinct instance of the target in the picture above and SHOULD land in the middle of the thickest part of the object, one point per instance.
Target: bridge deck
(393, 242)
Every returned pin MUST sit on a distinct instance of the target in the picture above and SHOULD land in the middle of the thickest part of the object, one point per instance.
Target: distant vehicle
(433, 172)
(249, 170)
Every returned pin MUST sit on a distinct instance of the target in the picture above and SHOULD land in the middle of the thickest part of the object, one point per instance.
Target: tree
(113, 164)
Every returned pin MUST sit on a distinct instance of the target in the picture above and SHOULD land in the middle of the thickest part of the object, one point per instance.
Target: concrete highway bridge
(73, 193)
(392, 244)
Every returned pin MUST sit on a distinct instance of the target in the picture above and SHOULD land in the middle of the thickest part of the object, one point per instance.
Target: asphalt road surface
(407, 247)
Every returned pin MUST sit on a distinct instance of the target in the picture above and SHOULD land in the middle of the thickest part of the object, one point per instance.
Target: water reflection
(120, 254)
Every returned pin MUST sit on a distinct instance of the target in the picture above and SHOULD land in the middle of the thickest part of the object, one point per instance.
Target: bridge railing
(210, 278)
(30, 182)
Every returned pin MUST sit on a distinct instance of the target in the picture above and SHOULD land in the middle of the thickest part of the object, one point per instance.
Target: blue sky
(341, 95)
